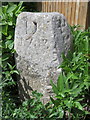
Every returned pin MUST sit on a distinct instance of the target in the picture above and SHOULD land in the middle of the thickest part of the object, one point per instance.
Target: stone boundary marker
(40, 39)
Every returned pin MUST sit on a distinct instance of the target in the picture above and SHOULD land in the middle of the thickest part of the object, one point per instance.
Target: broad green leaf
(5, 57)
(9, 37)
(3, 23)
(4, 9)
(71, 75)
(66, 68)
(14, 71)
(74, 76)
(87, 84)
(10, 23)
(4, 64)
(20, 4)
(78, 105)
(60, 96)
(10, 14)
(75, 67)
(10, 66)
(60, 82)
(66, 83)
(77, 91)
(53, 114)
(19, 9)
(55, 89)
(7, 73)
(74, 85)
(13, 51)
(86, 112)
(85, 33)
(5, 29)
(11, 8)
(78, 35)
(76, 58)
(61, 112)
(14, 114)
(32, 116)
(68, 103)
(9, 44)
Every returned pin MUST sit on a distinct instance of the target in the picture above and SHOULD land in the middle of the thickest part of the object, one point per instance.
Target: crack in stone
(26, 26)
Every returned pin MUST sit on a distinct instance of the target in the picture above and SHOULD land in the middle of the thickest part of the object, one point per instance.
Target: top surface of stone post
(40, 39)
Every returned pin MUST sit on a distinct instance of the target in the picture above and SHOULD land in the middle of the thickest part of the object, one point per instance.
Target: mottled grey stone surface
(40, 38)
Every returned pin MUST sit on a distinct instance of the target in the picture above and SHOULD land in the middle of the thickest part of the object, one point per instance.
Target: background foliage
(72, 100)
(8, 13)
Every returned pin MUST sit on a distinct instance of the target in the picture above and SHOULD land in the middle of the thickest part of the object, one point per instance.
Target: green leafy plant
(72, 89)
(35, 109)
(8, 13)
(67, 97)
(30, 109)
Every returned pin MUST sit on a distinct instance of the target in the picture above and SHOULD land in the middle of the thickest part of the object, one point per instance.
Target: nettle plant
(73, 85)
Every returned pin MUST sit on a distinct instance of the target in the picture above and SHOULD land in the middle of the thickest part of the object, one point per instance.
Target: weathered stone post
(40, 39)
